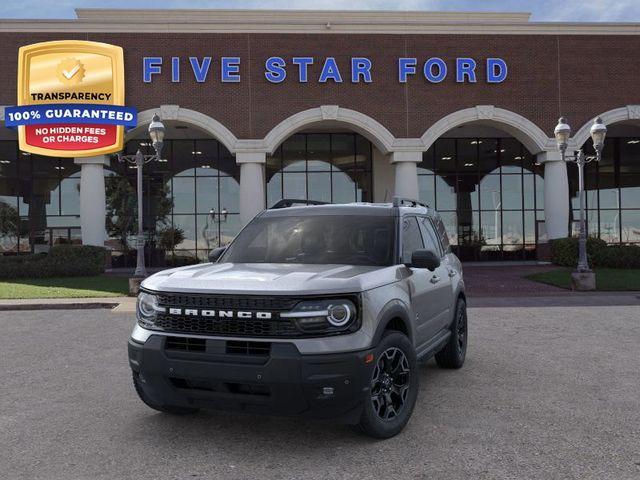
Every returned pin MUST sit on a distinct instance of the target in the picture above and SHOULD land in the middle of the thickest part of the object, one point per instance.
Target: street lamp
(562, 133)
(156, 133)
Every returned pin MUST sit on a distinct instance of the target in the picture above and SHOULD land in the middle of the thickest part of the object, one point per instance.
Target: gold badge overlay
(76, 67)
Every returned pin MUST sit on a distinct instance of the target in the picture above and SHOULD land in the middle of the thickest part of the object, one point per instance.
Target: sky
(542, 10)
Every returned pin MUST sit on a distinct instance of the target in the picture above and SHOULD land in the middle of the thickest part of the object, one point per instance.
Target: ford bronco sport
(314, 310)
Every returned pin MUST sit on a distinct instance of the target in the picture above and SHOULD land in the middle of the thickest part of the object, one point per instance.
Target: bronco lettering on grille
(192, 312)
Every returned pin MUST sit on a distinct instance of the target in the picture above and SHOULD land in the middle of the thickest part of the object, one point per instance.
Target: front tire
(173, 410)
(393, 389)
(455, 351)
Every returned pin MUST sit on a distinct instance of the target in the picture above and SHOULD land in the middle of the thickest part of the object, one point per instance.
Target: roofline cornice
(307, 21)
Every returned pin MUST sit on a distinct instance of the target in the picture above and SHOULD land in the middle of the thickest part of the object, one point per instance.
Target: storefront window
(39, 201)
(488, 191)
(612, 192)
(191, 202)
(328, 167)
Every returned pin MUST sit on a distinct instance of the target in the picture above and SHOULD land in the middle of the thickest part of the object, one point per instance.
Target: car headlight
(147, 309)
(324, 316)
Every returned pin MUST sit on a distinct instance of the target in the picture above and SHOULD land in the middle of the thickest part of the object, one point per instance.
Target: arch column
(93, 208)
(406, 173)
(252, 184)
(556, 194)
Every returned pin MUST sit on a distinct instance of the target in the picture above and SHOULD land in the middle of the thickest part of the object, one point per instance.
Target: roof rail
(293, 202)
(400, 201)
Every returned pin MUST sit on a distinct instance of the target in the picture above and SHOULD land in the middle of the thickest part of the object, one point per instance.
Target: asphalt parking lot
(549, 392)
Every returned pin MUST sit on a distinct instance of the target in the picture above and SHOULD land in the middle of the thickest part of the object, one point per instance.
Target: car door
(441, 279)
(420, 283)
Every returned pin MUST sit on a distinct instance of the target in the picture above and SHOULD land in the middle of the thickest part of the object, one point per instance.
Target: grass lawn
(69, 287)
(607, 279)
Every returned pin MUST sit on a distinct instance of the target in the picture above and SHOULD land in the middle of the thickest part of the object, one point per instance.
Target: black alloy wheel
(454, 351)
(393, 388)
(390, 383)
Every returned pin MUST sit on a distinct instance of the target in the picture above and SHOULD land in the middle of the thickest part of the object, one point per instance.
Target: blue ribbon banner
(70, 113)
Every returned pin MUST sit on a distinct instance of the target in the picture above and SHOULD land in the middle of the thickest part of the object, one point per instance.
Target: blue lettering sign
(496, 70)
(151, 66)
(434, 69)
(230, 69)
(428, 70)
(360, 67)
(175, 69)
(330, 71)
(200, 71)
(303, 66)
(275, 69)
(465, 67)
(406, 66)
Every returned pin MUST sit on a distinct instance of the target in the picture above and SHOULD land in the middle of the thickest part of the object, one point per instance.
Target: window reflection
(199, 182)
(490, 193)
(328, 167)
(612, 191)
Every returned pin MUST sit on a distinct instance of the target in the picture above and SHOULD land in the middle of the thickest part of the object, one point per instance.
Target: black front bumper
(281, 382)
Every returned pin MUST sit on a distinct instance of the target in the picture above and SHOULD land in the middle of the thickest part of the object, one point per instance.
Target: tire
(395, 382)
(173, 410)
(455, 351)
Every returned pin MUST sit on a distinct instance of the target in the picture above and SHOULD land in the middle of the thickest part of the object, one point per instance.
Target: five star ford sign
(70, 99)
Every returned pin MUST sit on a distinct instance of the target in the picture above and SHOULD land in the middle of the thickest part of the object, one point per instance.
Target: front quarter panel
(385, 303)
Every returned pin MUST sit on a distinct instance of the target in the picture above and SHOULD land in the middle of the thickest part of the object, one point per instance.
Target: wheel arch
(394, 316)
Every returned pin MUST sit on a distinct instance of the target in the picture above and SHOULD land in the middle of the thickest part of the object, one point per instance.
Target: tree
(9, 222)
(122, 208)
(169, 237)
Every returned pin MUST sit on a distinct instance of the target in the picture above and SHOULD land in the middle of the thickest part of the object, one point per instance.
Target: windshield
(319, 239)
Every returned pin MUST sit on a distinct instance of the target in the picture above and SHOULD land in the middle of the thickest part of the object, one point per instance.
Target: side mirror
(425, 259)
(216, 253)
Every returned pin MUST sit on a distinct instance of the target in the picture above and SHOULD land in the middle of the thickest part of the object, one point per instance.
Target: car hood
(267, 278)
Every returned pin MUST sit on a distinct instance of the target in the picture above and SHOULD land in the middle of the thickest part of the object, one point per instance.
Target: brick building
(457, 109)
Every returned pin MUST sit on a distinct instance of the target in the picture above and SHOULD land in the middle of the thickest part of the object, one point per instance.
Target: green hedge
(564, 252)
(61, 261)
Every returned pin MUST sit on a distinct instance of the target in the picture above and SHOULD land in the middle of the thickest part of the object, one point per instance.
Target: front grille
(235, 347)
(250, 327)
(221, 387)
(186, 344)
(227, 302)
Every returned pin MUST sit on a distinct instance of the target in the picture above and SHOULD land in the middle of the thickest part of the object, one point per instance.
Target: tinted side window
(429, 236)
(411, 238)
(442, 234)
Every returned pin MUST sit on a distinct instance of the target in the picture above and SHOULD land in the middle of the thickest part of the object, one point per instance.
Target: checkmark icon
(71, 73)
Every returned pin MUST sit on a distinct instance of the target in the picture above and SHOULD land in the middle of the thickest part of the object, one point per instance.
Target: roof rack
(293, 202)
(410, 202)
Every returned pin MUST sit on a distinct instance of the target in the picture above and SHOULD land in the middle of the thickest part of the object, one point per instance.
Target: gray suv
(313, 310)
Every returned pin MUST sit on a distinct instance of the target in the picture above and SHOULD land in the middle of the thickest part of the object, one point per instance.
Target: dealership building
(456, 109)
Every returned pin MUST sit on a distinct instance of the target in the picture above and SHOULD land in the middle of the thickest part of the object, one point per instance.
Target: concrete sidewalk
(117, 303)
(567, 299)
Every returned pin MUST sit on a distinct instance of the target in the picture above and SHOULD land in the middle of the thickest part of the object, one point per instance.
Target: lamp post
(156, 133)
(562, 133)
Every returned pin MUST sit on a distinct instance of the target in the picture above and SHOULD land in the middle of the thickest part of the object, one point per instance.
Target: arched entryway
(39, 199)
(328, 154)
(191, 197)
(482, 174)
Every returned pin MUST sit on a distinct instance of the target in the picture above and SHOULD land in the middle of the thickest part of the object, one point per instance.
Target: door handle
(435, 279)
(452, 273)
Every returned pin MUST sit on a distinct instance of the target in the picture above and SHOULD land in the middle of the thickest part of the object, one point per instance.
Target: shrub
(61, 261)
(169, 237)
(564, 252)
(618, 256)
